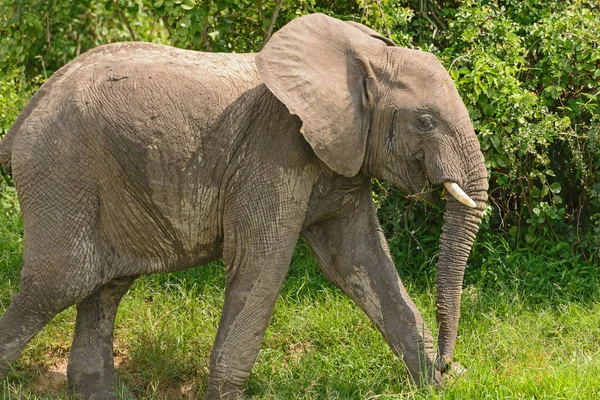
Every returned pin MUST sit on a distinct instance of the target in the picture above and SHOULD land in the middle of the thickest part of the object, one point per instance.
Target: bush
(529, 74)
(531, 86)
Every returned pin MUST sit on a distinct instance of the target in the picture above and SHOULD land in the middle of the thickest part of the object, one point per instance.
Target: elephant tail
(6, 144)
(6, 151)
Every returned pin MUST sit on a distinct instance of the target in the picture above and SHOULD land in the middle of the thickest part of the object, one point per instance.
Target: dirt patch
(53, 379)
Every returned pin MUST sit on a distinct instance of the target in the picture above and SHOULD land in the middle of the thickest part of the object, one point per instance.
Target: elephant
(138, 158)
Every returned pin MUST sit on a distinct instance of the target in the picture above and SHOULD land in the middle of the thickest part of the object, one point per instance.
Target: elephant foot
(224, 391)
(443, 364)
(98, 389)
(432, 378)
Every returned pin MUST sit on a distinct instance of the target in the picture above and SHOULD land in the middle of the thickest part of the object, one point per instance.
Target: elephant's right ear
(321, 69)
(371, 33)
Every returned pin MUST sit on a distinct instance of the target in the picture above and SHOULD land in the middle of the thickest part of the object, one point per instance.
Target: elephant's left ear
(321, 69)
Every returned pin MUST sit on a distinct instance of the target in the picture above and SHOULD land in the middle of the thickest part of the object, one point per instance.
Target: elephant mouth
(424, 181)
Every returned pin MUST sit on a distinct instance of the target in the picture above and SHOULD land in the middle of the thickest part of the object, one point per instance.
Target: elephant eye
(425, 122)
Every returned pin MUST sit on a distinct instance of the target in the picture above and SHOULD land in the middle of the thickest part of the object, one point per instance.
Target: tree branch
(165, 21)
(124, 19)
(273, 20)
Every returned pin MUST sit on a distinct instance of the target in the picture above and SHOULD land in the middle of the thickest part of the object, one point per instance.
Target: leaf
(530, 238)
(474, 113)
(495, 141)
(556, 188)
(188, 4)
(134, 9)
(501, 160)
(185, 22)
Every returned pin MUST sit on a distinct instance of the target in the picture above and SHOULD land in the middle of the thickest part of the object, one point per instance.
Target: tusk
(459, 194)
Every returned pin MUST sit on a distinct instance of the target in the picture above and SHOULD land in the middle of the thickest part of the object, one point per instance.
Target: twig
(260, 11)
(78, 49)
(273, 20)
(205, 40)
(387, 28)
(154, 21)
(165, 21)
(48, 40)
(124, 19)
(48, 31)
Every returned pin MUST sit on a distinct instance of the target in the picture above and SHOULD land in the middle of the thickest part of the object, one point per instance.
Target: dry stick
(124, 19)
(273, 20)
(78, 49)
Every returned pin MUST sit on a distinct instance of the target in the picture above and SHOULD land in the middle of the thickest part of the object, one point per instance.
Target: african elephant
(138, 158)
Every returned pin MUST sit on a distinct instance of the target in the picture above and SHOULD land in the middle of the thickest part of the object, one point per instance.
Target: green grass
(523, 334)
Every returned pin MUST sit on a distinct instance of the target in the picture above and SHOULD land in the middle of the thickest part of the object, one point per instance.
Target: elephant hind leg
(37, 303)
(91, 371)
(58, 272)
(18, 325)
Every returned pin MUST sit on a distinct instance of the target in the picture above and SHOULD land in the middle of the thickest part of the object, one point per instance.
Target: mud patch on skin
(359, 283)
(53, 379)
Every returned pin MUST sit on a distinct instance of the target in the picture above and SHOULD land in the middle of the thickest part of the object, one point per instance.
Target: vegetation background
(529, 73)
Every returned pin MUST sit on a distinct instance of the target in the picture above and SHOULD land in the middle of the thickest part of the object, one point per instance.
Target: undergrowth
(528, 330)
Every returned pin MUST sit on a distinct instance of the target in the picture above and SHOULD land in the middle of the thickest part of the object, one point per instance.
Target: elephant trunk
(461, 224)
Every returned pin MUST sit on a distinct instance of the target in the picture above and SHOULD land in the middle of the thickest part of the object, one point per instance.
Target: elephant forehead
(415, 71)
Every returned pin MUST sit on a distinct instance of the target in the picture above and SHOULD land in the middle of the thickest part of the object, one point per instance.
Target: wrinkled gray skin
(140, 158)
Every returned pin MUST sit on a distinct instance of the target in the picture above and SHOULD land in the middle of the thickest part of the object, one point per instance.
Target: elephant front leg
(354, 256)
(254, 275)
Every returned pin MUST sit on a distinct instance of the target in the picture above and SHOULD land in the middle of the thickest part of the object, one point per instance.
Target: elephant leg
(91, 370)
(60, 259)
(354, 256)
(27, 314)
(46, 288)
(20, 323)
(254, 277)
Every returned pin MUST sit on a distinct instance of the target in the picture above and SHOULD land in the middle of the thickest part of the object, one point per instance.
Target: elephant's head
(369, 107)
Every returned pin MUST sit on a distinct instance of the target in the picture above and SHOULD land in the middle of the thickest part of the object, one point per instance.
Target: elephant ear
(371, 33)
(320, 68)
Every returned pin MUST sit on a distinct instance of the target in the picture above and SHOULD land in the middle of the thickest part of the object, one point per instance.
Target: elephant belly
(160, 230)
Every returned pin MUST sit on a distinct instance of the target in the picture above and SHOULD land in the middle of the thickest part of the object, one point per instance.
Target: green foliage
(11, 239)
(243, 26)
(38, 37)
(529, 74)
(14, 93)
(531, 88)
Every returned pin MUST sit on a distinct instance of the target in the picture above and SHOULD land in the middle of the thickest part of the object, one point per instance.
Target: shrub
(529, 74)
